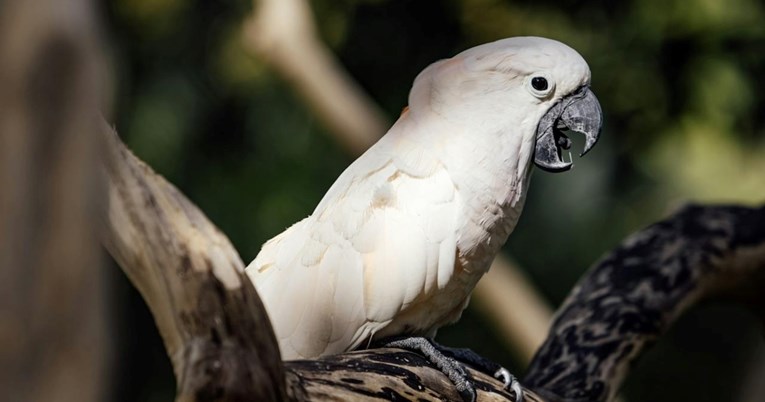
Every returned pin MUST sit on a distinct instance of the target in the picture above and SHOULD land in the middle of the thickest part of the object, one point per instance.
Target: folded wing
(383, 237)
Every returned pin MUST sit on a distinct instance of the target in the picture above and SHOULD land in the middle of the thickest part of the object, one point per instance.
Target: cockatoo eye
(540, 85)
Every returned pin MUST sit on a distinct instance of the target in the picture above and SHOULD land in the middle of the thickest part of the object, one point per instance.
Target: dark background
(681, 82)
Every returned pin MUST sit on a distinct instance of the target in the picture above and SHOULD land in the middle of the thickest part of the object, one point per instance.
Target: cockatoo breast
(489, 177)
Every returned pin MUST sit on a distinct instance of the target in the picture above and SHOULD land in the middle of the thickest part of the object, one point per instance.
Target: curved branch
(214, 326)
(511, 304)
(283, 33)
(632, 296)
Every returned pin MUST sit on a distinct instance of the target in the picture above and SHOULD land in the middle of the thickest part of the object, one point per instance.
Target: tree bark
(384, 375)
(632, 296)
(52, 323)
(213, 324)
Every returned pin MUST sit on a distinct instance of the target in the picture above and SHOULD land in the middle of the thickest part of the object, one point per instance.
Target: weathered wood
(384, 375)
(632, 296)
(214, 326)
(53, 343)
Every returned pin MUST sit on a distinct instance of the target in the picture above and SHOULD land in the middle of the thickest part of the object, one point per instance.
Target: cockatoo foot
(484, 365)
(450, 361)
(452, 368)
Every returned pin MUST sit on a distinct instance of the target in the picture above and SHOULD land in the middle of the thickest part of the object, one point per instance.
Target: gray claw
(516, 387)
(504, 375)
(509, 380)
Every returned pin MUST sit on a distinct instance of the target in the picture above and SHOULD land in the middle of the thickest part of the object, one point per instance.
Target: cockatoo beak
(579, 112)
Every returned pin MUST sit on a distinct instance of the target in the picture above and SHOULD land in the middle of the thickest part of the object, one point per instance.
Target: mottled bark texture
(632, 296)
(384, 375)
(52, 323)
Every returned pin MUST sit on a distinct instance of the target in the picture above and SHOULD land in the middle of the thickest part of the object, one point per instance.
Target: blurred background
(682, 85)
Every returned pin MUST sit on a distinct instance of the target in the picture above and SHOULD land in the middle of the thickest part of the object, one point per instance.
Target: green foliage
(681, 83)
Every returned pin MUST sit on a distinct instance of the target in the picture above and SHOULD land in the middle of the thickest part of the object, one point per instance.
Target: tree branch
(632, 296)
(384, 374)
(214, 326)
(53, 343)
(284, 34)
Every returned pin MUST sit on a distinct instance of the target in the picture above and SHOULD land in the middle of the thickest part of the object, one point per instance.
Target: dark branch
(631, 297)
(384, 375)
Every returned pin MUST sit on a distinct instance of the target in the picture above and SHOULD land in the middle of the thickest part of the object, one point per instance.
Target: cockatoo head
(528, 87)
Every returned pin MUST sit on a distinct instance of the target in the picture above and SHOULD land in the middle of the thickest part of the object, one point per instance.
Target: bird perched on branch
(397, 244)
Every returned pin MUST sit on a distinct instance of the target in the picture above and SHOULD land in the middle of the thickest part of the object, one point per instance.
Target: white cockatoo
(399, 241)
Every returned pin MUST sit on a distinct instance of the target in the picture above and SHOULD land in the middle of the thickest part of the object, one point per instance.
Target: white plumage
(400, 239)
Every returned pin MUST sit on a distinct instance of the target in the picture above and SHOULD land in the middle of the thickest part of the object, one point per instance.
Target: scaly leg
(450, 360)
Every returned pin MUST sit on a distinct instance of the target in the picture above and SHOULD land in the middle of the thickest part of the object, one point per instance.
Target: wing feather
(383, 236)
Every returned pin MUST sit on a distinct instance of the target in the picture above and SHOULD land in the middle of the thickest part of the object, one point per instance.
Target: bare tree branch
(384, 375)
(283, 32)
(510, 303)
(631, 297)
(214, 326)
(53, 344)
